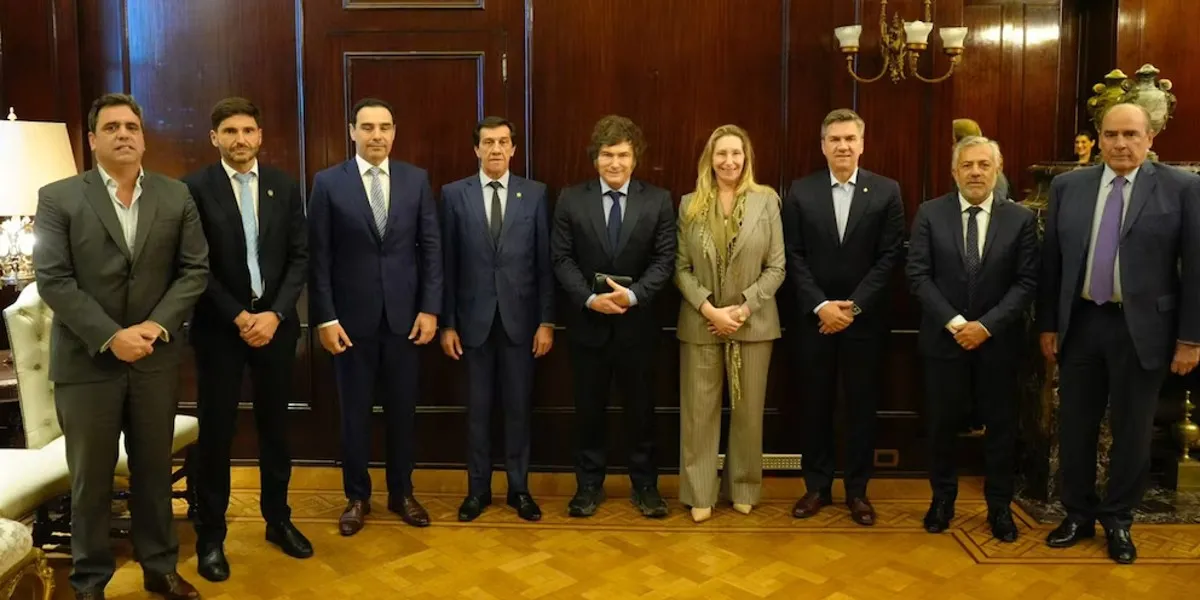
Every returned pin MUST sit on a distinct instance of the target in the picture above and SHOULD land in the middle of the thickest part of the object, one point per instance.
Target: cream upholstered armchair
(32, 476)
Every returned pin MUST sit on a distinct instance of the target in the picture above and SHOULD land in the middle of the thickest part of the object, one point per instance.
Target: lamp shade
(953, 37)
(917, 32)
(847, 36)
(32, 154)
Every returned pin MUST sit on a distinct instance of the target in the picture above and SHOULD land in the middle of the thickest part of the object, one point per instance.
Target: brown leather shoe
(171, 586)
(352, 518)
(410, 511)
(861, 511)
(810, 504)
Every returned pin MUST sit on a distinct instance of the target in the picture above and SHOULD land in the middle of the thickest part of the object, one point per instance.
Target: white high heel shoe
(701, 515)
(743, 508)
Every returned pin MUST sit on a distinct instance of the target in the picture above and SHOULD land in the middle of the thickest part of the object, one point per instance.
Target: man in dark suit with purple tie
(499, 307)
(375, 291)
(1119, 304)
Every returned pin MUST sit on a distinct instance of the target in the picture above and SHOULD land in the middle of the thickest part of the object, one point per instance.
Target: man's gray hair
(976, 140)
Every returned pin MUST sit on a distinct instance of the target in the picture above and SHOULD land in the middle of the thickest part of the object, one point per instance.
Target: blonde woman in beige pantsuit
(728, 264)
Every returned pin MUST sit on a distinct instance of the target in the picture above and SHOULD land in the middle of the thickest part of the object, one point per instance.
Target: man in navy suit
(972, 262)
(499, 307)
(376, 291)
(253, 218)
(1119, 302)
(844, 230)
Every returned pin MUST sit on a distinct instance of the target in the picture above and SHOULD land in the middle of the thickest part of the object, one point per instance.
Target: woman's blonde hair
(706, 184)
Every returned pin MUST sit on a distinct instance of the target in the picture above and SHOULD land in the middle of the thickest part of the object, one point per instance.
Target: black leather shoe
(211, 563)
(472, 507)
(1070, 532)
(586, 501)
(289, 539)
(89, 595)
(1120, 546)
(1003, 527)
(939, 515)
(526, 508)
(649, 502)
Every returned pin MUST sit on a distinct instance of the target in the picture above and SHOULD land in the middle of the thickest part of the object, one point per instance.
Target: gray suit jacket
(756, 269)
(97, 285)
(1159, 253)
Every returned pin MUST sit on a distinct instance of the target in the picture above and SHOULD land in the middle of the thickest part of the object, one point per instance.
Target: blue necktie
(972, 249)
(614, 219)
(1108, 240)
(250, 228)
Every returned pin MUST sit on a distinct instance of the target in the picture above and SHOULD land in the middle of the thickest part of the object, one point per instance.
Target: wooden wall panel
(1156, 32)
(186, 55)
(677, 67)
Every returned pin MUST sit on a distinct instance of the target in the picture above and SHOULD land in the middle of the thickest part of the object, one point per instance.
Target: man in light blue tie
(253, 218)
(1119, 304)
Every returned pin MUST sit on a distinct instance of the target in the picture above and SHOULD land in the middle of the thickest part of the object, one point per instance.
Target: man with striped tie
(253, 218)
(375, 290)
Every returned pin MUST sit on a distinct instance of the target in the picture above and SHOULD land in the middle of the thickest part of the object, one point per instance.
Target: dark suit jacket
(513, 277)
(1007, 278)
(859, 266)
(96, 285)
(1159, 254)
(646, 252)
(355, 276)
(282, 247)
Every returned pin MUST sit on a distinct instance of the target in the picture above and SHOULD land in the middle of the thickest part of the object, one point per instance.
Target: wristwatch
(854, 309)
(278, 315)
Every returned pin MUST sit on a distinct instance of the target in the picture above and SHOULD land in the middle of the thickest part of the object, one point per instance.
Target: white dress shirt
(982, 220)
(484, 180)
(126, 215)
(385, 177)
(237, 185)
(1106, 183)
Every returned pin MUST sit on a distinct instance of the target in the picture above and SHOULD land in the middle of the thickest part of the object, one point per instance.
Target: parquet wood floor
(617, 554)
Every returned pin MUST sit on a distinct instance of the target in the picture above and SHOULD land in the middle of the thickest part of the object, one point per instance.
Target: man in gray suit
(1119, 302)
(120, 259)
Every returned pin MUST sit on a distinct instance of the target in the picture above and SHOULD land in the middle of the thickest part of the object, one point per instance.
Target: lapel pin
(518, 194)
(865, 190)
(270, 192)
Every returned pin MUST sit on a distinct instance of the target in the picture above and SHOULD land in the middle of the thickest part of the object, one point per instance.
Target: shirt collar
(833, 180)
(110, 182)
(605, 188)
(364, 166)
(484, 179)
(231, 172)
(1109, 175)
(986, 205)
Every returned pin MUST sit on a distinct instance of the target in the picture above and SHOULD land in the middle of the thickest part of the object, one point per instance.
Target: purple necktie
(1108, 239)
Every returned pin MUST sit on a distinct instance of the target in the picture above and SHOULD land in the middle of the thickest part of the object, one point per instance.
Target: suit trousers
(1099, 368)
(92, 417)
(954, 387)
(500, 369)
(702, 377)
(222, 358)
(857, 356)
(381, 367)
(594, 371)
